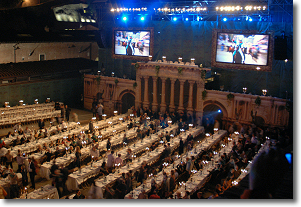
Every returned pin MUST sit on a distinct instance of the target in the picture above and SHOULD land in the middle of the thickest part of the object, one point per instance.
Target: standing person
(67, 112)
(9, 159)
(181, 147)
(20, 160)
(24, 172)
(41, 124)
(63, 112)
(91, 126)
(32, 172)
(94, 107)
(99, 111)
(78, 156)
(14, 189)
(75, 117)
(95, 192)
(110, 161)
(109, 144)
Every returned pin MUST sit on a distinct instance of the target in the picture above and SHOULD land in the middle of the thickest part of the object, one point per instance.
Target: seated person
(79, 195)
(94, 153)
(64, 126)
(118, 160)
(103, 169)
(48, 155)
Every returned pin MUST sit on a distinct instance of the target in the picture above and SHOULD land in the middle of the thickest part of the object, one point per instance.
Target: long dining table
(78, 177)
(199, 148)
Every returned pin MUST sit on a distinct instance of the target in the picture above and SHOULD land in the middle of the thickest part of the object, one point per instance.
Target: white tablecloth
(197, 150)
(76, 178)
(45, 192)
(147, 158)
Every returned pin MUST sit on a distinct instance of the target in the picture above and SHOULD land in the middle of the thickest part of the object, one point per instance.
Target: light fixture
(180, 59)
(150, 57)
(285, 60)
(244, 90)
(264, 92)
(164, 58)
(192, 60)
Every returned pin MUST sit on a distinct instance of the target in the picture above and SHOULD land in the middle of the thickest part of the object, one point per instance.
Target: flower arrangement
(180, 70)
(98, 80)
(203, 74)
(230, 96)
(204, 94)
(116, 81)
(135, 84)
(258, 101)
(157, 67)
(137, 66)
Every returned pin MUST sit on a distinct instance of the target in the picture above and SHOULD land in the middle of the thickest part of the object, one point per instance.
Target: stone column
(199, 101)
(172, 94)
(138, 92)
(146, 101)
(155, 99)
(181, 95)
(247, 110)
(276, 115)
(163, 103)
(190, 99)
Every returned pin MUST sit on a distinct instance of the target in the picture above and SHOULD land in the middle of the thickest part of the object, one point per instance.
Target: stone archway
(219, 105)
(127, 101)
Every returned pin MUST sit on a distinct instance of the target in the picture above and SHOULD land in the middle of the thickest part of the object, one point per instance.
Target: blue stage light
(175, 18)
(142, 18)
(124, 18)
(186, 19)
(250, 19)
(224, 19)
(219, 111)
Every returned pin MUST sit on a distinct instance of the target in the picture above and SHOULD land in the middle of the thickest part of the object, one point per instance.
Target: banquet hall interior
(163, 99)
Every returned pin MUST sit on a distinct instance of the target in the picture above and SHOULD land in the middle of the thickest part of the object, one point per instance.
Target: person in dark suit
(41, 124)
(32, 172)
(67, 112)
(181, 147)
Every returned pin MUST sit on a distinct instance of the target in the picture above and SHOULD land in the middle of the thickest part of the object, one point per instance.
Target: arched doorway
(211, 114)
(128, 100)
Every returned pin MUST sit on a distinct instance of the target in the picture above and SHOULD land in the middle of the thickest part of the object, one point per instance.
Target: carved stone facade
(242, 108)
(178, 86)
(107, 90)
(166, 85)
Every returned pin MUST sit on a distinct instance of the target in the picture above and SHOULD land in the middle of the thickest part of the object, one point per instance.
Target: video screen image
(132, 43)
(249, 49)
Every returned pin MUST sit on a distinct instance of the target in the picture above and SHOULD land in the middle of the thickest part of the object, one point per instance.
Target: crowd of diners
(228, 168)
